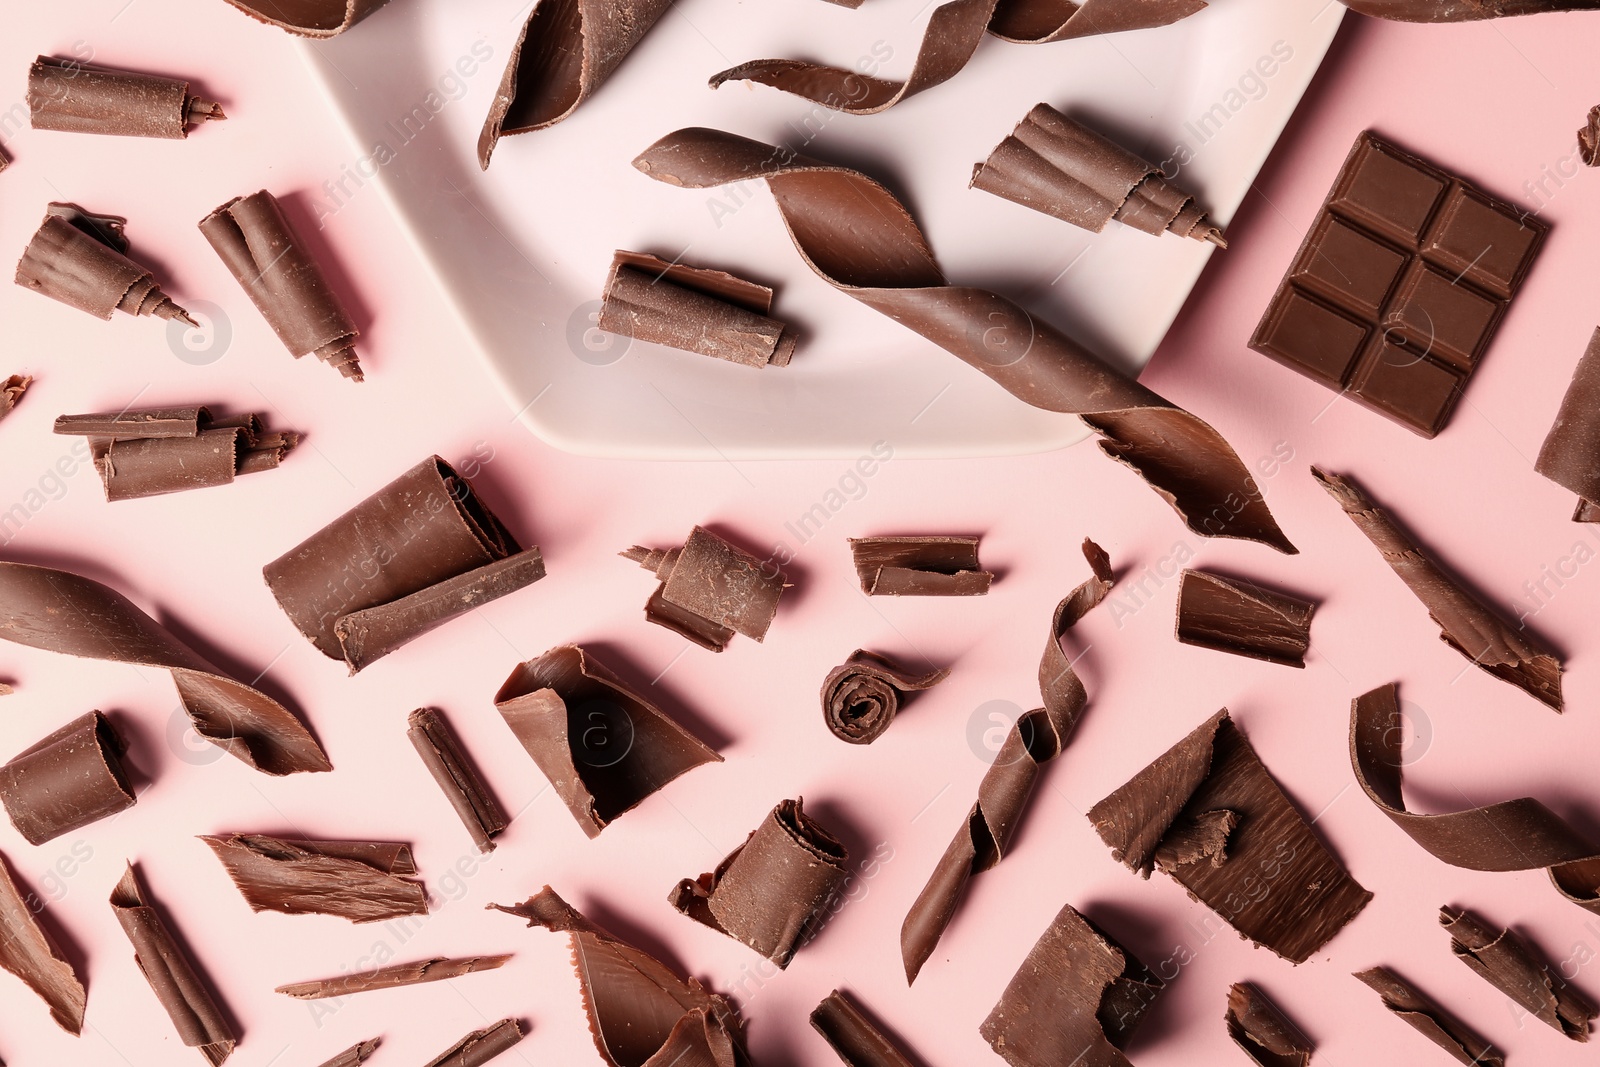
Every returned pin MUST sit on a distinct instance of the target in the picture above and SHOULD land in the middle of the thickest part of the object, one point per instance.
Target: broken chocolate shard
(27, 951)
(71, 778)
(457, 776)
(1462, 10)
(419, 552)
(604, 747)
(355, 1055)
(363, 881)
(436, 969)
(11, 390)
(848, 1031)
(480, 1046)
(710, 590)
(1240, 617)
(922, 565)
(167, 450)
(309, 18)
(1260, 1028)
(1512, 965)
(66, 95)
(862, 695)
(699, 310)
(1465, 622)
(1570, 455)
(1589, 139)
(1430, 1020)
(63, 612)
(80, 268)
(861, 240)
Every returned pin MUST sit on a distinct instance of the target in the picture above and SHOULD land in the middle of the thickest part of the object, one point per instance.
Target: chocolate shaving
(1061, 167)
(706, 311)
(1036, 738)
(1589, 139)
(309, 18)
(460, 781)
(1570, 455)
(603, 747)
(181, 991)
(363, 881)
(1261, 1029)
(414, 555)
(28, 952)
(1242, 618)
(436, 969)
(11, 390)
(710, 590)
(147, 453)
(1465, 622)
(1462, 10)
(860, 239)
(71, 778)
(1430, 1020)
(861, 696)
(848, 1031)
(62, 612)
(72, 259)
(355, 1055)
(480, 1046)
(1515, 968)
(66, 95)
(1077, 999)
(927, 565)
(771, 892)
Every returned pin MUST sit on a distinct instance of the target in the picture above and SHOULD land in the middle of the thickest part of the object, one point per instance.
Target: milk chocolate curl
(62, 612)
(260, 248)
(1034, 740)
(414, 555)
(436, 969)
(78, 259)
(66, 95)
(861, 696)
(1063, 168)
(11, 390)
(1570, 455)
(28, 952)
(71, 778)
(1430, 1020)
(355, 1055)
(603, 747)
(860, 239)
(1465, 622)
(181, 991)
(1515, 968)
(480, 1046)
(309, 18)
(1462, 10)
(1240, 617)
(150, 452)
(1264, 1033)
(1589, 139)
(848, 1031)
(772, 891)
(706, 311)
(458, 778)
(1077, 999)
(363, 881)
(923, 565)
(710, 590)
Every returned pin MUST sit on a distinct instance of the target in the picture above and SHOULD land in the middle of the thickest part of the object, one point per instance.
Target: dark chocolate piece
(309, 18)
(1513, 966)
(463, 786)
(1242, 618)
(480, 1046)
(922, 565)
(11, 390)
(417, 553)
(1589, 139)
(710, 590)
(1570, 455)
(28, 952)
(603, 747)
(5, 160)
(1466, 623)
(772, 892)
(1261, 1029)
(1061, 167)
(168, 450)
(71, 778)
(82, 268)
(861, 240)
(436, 969)
(355, 1055)
(848, 1031)
(253, 237)
(62, 612)
(180, 989)
(1462, 10)
(1399, 285)
(1430, 1020)
(1077, 999)
(66, 95)
(363, 881)
(699, 310)
(861, 696)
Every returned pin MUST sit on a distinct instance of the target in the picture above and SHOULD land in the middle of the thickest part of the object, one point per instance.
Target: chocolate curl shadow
(618, 661)
(303, 221)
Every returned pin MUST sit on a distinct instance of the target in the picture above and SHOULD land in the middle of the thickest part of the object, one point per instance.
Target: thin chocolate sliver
(919, 565)
(861, 240)
(355, 1055)
(71, 778)
(27, 951)
(699, 310)
(11, 390)
(143, 453)
(480, 1046)
(458, 778)
(69, 96)
(81, 267)
(1422, 1014)
(1570, 455)
(436, 969)
(848, 1031)
(710, 590)
(1242, 618)
(1462, 10)
(861, 696)
(363, 881)
(1510, 964)
(1589, 139)
(1261, 1029)
(309, 18)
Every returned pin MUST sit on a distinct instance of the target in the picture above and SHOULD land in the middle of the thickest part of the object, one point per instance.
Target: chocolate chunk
(1514, 967)
(861, 696)
(1465, 622)
(480, 1046)
(355, 1055)
(1077, 999)
(79, 266)
(1063, 168)
(706, 311)
(1461, 10)
(28, 952)
(11, 390)
(848, 1031)
(1271, 879)
(1035, 739)
(928, 565)
(182, 992)
(1589, 139)
(1262, 1030)
(168, 450)
(1430, 1020)
(309, 18)
(861, 240)
(253, 237)
(603, 747)
(71, 778)
(710, 590)
(1242, 618)
(66, 95)
(415, 554)
(1570, 456)
(436, 969)
(62, 612)
(771, 892)
(463, 786)
(363, 881)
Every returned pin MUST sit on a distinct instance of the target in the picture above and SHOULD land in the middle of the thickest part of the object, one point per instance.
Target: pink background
(1497, 102)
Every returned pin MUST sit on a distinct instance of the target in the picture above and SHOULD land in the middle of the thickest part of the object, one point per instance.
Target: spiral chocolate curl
(861, 696)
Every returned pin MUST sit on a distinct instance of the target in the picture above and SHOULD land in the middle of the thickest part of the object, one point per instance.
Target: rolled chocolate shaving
(71, 778)
(66, 95)
(480, 1046)
(771, 892)
(28, 951)
(1430, 1020)
(1570, 455)
(253, 237)
(436, 969)
(1462, 10)
(458, 778)
(1063, 168)
(860, 239)
(1589, 139)
(921, 565)
(603, 747)
(309, 18)
(710, 590)
(1514, 967)
(5, 160)
(1261, 1029)
(168, 450)
(80, 267)
(363, 881)
(135, 423)
(1466, 623)
(355, 1055)
(861, 696)
(706, 311)
(180, 989)
(848, 1031)
(62, 612)
(1242, 618)
(11, 390)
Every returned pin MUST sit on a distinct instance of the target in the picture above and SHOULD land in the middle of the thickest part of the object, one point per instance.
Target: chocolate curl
(167, 450)
(71, 778)
(1512, 966)
(11, 390)
(458, 778)
(710, 590)
(28, 952)
(848, 1031)
(480, 1046)
(363, 881)
(1462, 10)
(78, 259)
(699, 310)
(919, 565)
(66, 95)
(1242, 618)
(355, 1055)
(1589, 139)
(1430, 1020)
(859, 238)
(1037, 738)
(1570, 455)
(436, 969)
(861, 696)
(309, 18)
(62, 612)
(1465, 623)
(1262, 1030)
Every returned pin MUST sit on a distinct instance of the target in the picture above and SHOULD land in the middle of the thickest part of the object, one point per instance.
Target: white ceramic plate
(522, 252)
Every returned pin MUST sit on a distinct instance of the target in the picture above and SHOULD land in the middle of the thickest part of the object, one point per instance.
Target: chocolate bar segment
(1570, 455)
(1510, 964)
(861, 696)
(147, 453)
(480, 1046)
(355, 1055)
(71, 778)
(11, 390)
(1430, 1020)
(27, 951)
(78, 259)
(1262, 1030)
(848, 1031)
(1240, 617)
(699, 310)
(923, 565)
(363, 881)
(309, 18)
(436, 969)
(66, 95)
(458, 778)
(710, 590)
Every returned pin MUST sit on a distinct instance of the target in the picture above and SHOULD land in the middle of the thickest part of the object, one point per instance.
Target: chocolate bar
(72, 97)
(1240, 617)
(436, 969)
(309, 18)
(11, 390)
(923, 565)
(71, 778)
(28, 951)
(460, 781)
(1430, 1020)
(710, 590)
(363, 881)
(355, 1055)
(147, 453)
(78, 258)
(1262, 1031)
(848, 1031)
(861, 696)
(699, 310)
(480, 1046)
(1570, 455)
(1510, 964)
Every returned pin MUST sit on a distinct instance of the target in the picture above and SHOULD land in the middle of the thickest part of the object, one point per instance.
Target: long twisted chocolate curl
(1462, 10)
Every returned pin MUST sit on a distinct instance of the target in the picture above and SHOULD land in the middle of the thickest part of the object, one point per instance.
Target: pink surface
(1496, 101)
